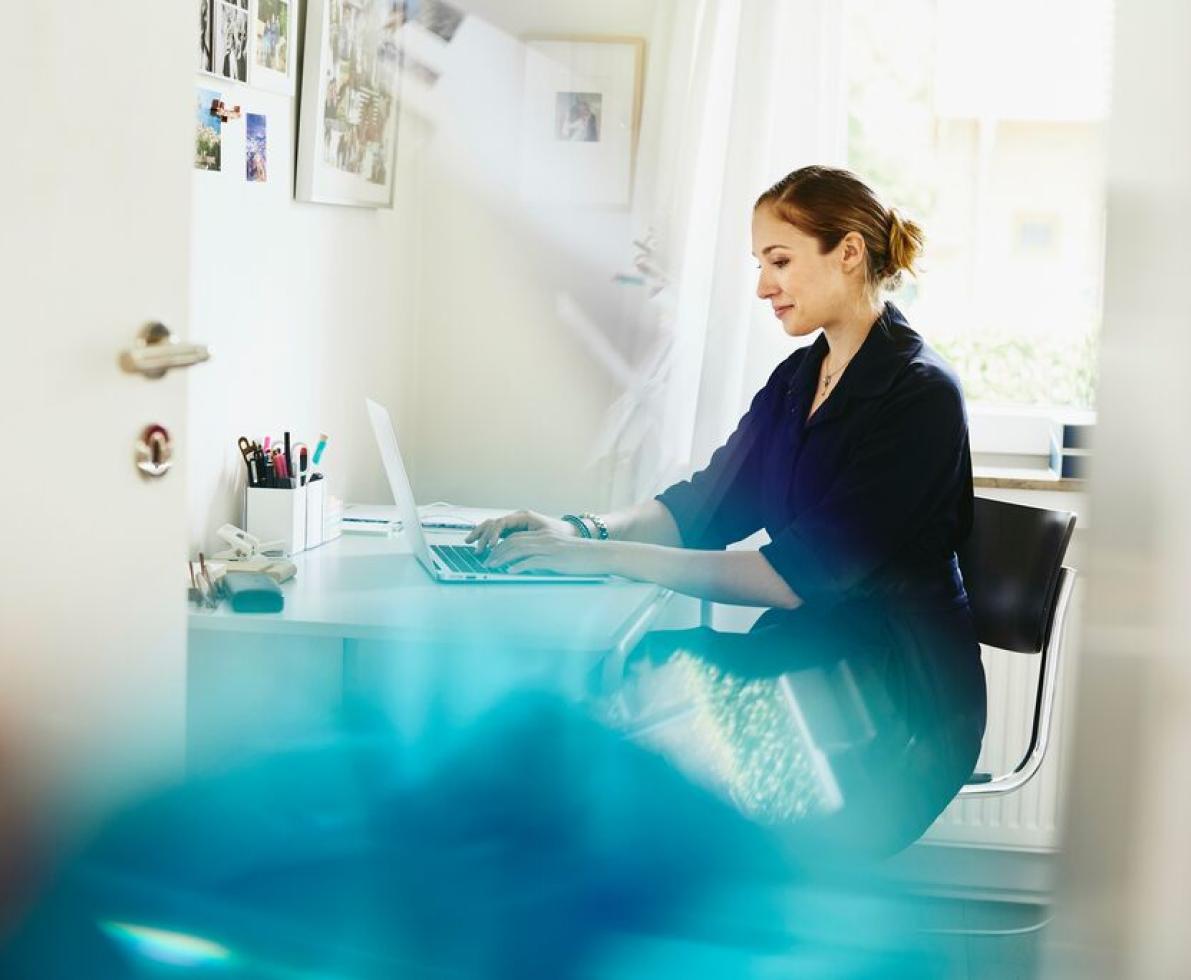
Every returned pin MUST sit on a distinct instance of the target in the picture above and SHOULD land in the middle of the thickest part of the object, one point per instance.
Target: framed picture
(272, 62)
(347, 138)
(581, 111)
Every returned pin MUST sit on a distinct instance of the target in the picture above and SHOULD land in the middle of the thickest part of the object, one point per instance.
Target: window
(986, 123)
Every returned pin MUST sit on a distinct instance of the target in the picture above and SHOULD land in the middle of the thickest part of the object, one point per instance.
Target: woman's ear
(852, 251)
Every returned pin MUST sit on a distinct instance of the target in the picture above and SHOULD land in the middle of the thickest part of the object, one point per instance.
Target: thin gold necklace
(828, 375)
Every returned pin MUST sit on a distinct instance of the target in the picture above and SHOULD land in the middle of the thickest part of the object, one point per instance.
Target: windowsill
(1024, 478)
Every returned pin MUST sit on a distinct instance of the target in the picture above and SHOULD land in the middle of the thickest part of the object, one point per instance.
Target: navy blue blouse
(865, 501)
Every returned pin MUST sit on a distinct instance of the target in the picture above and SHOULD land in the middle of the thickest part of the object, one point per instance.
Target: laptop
(444, 562)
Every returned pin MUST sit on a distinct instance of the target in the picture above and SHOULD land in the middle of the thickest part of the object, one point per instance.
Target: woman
(854, 458)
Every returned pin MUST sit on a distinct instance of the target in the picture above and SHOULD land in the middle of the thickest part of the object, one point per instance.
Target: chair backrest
(1011, 563)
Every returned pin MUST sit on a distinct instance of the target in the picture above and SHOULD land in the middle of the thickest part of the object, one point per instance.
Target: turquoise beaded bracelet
(577, 523)
(599, 525)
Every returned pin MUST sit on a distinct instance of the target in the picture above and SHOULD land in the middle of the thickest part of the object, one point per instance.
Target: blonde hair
(828, 203)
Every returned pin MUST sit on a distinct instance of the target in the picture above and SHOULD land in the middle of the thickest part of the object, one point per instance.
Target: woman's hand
(549, 550)
(487, 533)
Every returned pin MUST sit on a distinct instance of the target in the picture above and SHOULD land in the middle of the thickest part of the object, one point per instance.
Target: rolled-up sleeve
(911, 460)
(721, 503)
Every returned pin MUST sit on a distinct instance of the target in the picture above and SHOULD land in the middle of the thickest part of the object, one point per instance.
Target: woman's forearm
(648, 522)
(738, 577)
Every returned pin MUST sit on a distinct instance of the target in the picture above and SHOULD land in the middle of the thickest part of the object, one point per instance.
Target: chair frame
(1044, 703)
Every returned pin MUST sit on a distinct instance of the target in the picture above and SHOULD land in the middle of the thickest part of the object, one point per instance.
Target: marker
(289, 460)
(318, 450)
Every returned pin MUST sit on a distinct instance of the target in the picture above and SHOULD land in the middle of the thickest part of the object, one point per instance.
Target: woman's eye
(780, 263)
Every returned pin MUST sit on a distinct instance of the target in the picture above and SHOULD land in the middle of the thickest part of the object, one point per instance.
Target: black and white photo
(436, 16)
(207, 35)
(231, 41)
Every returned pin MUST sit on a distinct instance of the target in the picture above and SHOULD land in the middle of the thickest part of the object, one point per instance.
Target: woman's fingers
(487, 533)
(514, 547)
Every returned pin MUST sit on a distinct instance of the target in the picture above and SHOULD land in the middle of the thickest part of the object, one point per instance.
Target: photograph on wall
(256, 150)
(580, 113)
(208, 137)
(577, 116)
(272, 59)
(231, 40)
(348, 134)
(207, 35)
(438, 17)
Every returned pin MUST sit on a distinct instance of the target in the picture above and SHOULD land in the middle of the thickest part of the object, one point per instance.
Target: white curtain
(739, 92)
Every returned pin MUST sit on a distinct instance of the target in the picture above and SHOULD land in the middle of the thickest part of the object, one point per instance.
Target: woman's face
(806, 289)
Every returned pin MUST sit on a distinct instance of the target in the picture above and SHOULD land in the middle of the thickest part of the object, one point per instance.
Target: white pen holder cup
(278, 514)
(316, 504)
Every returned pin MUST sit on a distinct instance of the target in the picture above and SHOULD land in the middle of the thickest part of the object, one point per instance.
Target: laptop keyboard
(462, 558)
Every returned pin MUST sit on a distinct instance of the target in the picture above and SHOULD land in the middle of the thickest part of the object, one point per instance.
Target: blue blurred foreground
(542, 845)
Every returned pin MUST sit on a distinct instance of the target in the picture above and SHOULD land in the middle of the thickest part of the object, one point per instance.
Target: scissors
(248, 450)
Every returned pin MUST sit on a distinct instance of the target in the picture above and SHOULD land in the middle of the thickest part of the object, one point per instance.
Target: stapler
(247, 553)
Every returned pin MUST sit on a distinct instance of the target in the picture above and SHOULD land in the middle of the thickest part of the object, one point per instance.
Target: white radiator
(1031, 817)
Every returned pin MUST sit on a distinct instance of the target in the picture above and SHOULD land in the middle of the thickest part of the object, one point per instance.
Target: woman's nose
(765, 287)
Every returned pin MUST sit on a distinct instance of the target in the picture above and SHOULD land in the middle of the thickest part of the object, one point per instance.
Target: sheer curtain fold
(739, 93)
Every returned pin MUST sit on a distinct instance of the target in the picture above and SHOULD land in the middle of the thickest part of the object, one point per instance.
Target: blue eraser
(253, 592)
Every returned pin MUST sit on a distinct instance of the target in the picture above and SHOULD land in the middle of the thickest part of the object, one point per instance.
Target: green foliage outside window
(1007, 369)
(893, 142)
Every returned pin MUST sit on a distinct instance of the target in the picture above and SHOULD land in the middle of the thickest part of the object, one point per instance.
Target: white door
(94, 216)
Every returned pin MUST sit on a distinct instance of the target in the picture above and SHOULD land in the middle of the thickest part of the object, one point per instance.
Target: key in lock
(154, 451)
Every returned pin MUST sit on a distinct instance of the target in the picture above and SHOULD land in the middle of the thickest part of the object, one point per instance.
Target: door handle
(155, 353)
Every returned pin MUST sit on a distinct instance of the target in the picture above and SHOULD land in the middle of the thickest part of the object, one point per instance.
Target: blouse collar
(889, 346)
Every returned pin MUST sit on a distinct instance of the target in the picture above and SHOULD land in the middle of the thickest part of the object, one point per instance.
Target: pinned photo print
(208, 138)
(577, 116)
(272, 55)
(256, 152)
(272, 35)
(231, 40)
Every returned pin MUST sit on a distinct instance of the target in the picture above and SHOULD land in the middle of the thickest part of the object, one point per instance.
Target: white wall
(445, 308)
(519, 398)
(307, 308)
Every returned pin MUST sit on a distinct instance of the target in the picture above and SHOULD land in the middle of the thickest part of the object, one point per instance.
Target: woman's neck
(846, 336)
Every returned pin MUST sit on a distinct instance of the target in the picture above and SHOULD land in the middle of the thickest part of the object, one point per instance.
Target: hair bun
(905, 245)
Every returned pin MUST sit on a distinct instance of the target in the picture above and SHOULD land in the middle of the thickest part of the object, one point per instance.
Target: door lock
(154, 451)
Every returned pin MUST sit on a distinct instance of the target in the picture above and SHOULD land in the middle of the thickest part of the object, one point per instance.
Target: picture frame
(351, 80)
(273, 53)
(581, 118)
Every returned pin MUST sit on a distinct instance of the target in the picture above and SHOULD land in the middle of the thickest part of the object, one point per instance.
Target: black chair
(1020, 591)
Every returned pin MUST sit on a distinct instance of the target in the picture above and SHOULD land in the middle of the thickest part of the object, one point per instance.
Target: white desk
(364, 624)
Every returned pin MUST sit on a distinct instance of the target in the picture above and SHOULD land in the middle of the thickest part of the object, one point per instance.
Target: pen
(318, 450)
(289, 465)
